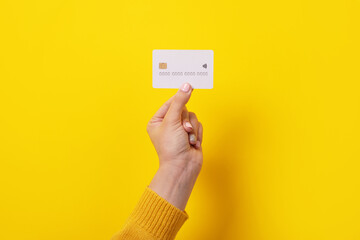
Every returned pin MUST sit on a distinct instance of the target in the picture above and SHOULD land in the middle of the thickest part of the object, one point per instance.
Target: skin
(177, 137)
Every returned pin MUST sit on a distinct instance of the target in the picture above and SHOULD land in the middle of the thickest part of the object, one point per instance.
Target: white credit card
(172, 68)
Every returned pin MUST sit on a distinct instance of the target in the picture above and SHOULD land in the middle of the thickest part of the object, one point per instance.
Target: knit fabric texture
(152, 219)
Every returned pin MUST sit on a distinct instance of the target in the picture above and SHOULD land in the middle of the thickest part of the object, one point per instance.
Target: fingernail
(198, 144)
(185, 87)
(188, 124)
(192, 138)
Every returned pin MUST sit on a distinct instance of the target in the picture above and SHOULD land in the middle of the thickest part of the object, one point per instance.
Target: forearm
(175, 184)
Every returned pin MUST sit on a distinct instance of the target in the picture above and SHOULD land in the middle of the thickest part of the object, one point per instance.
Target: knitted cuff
(157, 216)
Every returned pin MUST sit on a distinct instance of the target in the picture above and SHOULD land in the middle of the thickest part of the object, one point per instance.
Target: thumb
(180, 99)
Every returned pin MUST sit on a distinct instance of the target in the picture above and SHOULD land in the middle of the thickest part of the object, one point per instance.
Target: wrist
(181, 167)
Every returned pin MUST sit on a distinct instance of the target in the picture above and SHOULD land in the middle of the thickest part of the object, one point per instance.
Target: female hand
(177, 136)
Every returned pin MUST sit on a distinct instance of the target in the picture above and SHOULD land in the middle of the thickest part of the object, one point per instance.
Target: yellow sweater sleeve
(152, 219)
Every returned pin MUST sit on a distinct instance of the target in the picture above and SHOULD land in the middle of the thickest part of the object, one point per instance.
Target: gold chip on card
(163, 65)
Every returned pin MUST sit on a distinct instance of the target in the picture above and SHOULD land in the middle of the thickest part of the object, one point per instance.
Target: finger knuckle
(193, 115)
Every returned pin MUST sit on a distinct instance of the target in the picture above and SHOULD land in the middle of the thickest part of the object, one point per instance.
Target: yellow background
(281, 126)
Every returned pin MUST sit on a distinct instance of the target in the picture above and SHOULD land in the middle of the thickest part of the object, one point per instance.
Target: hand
(177, 137)
(177, 134)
